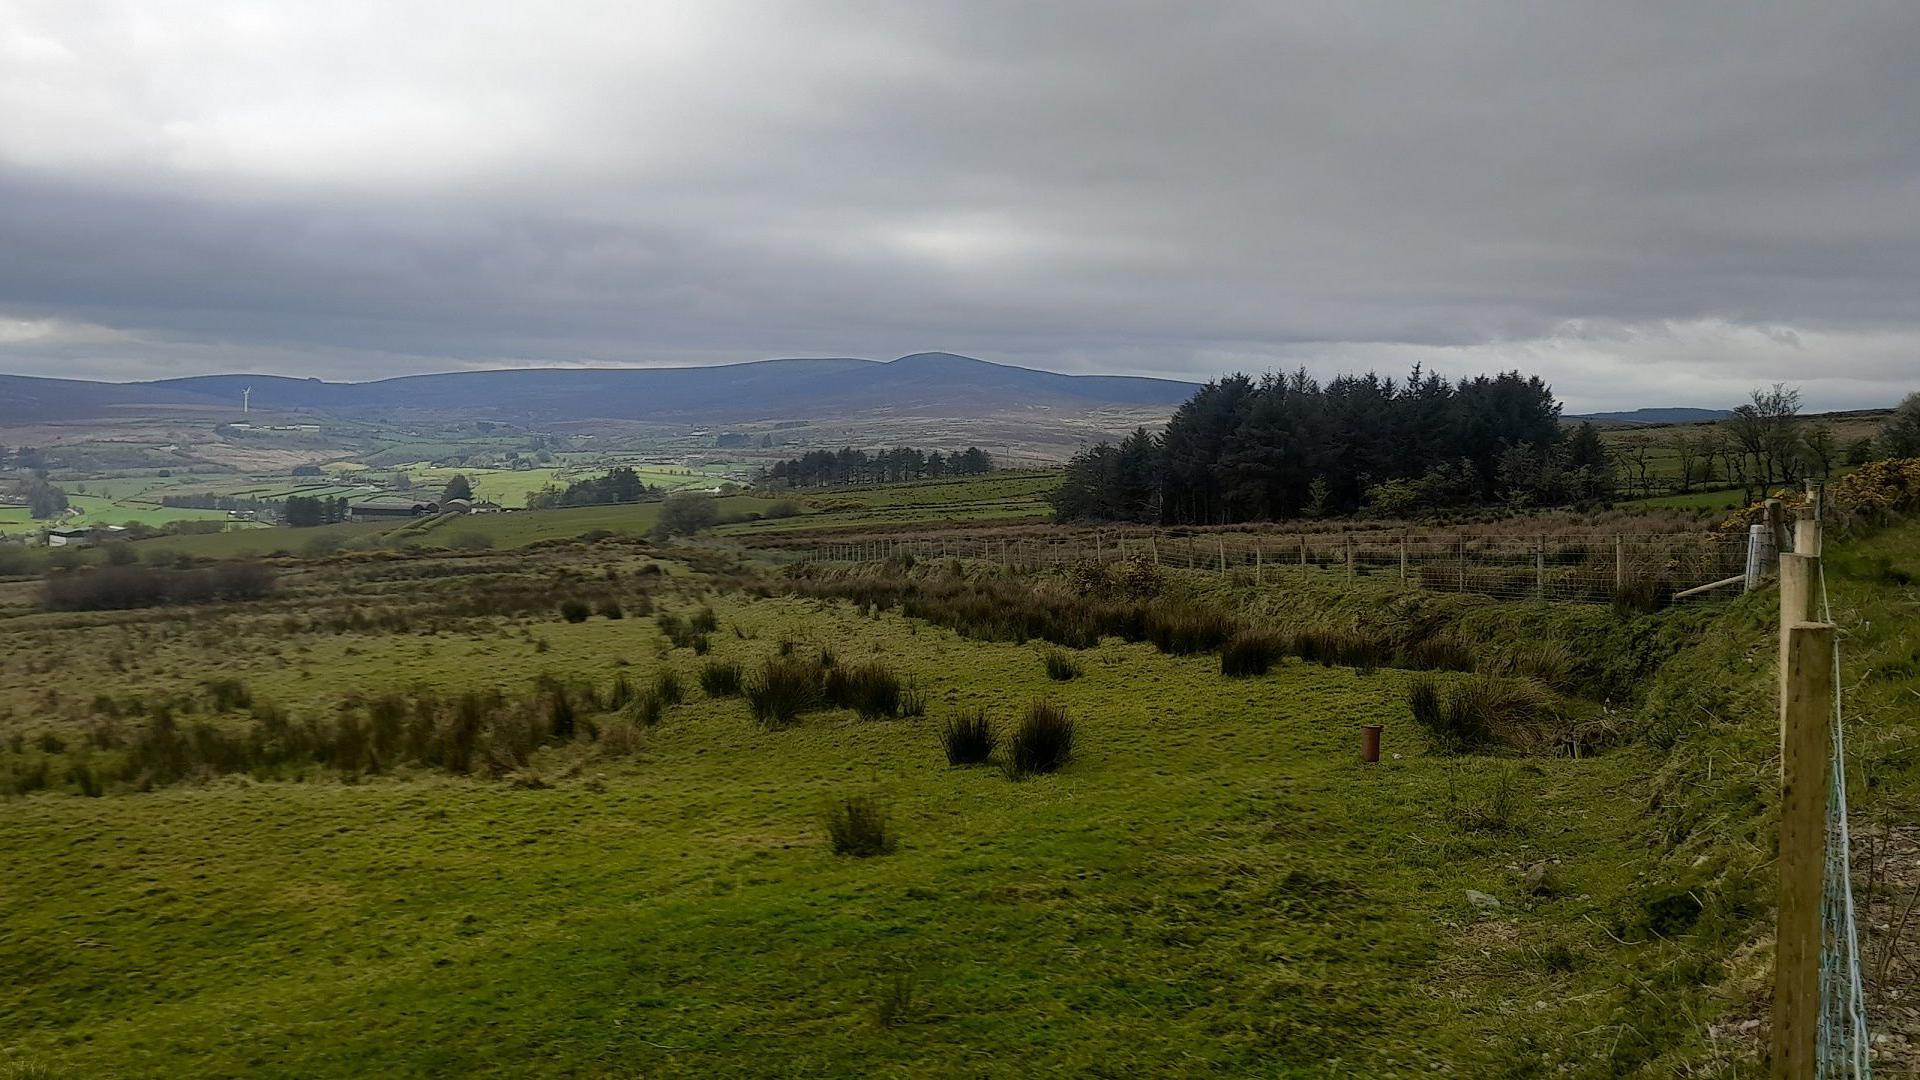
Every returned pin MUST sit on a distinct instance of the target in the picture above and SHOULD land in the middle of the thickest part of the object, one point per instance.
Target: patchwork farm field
(241, 842)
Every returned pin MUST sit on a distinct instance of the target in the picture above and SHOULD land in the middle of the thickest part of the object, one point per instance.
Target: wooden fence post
(1619, 565)
(1403, 558)
(1463, 563)
(1806, 713)
(1153, 549)
(1223, 553)
(1259, 573)
(1540, 567)
(1806, 536)
(1777, 525)
(1346, 541)
(1303, 549)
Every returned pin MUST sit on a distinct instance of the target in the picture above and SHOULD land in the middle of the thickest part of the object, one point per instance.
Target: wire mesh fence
(1510, 566)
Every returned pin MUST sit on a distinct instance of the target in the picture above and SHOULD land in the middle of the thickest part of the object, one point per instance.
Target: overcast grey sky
(1648, 203)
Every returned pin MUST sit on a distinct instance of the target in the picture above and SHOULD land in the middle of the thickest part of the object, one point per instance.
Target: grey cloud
(1711, 191)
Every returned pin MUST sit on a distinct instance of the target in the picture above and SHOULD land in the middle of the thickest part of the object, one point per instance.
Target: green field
(506, 530)
(97, 510)
(1214, 866)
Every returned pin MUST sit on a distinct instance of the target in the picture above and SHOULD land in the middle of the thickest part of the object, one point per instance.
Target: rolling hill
(923, 384)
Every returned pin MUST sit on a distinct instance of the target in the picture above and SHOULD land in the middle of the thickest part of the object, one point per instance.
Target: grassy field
(490, 530)
(1214, 885)
(99, 510)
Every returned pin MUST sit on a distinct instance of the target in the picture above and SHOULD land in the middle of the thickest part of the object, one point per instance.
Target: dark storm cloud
(1647, 203)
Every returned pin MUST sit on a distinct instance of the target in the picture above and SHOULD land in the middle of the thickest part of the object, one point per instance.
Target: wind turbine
(246, 400)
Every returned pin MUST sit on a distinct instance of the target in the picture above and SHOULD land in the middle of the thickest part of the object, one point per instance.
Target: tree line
(621, 485)
(823, 468)
(1288, 446)
(308, 510)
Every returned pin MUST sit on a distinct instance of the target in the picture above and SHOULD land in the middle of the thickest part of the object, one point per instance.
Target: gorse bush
(721, 678)
(857, 825)
(968, 737)
(575, 611)
(1061, 666)
(1042, 742)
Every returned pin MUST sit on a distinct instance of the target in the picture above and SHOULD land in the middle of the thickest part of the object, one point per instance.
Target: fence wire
(1842, 1047)
(1580, 568)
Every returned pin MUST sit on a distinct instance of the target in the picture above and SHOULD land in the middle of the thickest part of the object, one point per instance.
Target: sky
(1648, 204)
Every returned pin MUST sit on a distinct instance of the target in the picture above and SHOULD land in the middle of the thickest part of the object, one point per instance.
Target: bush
(703, 621)
(857, 825)
(1042, 742)
(968, 737)
(1250, 653)
(1061, 666)
(720, 678)
(575, 611)
(110, 588)
(786, 687)
(611, 609)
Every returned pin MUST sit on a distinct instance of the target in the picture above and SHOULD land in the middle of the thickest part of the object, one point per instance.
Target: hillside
(923, 384)
(1637, 417)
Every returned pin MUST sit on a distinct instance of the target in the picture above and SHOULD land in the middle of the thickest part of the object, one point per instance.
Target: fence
(1591, 568)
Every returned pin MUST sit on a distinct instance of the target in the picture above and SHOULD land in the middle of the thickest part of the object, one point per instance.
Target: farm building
(390, 509)
(70, 536)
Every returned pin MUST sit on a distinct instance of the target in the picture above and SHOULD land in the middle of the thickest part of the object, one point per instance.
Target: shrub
(1042, 742)
(1061, 666)
(117, 587)
(703, 621)
(575, 610)
(720, 678)
(857, 825)
(1250, 653)
(968, 737)
(786, 687)
(611, 609)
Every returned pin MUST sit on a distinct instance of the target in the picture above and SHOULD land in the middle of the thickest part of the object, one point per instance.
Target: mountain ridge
(929, 383)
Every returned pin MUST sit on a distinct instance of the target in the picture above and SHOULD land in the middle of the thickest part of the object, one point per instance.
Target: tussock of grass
(721, 678)
(785, 687)
(1042, 742)
(1061, 666)
(857, 825)
(1250, 653)
(968, 737)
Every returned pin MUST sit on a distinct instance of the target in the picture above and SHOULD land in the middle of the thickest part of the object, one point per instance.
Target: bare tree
(1686, 453)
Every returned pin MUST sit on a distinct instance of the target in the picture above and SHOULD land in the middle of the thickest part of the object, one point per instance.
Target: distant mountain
(1656, 416)
(930, 383)
(923, 384)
